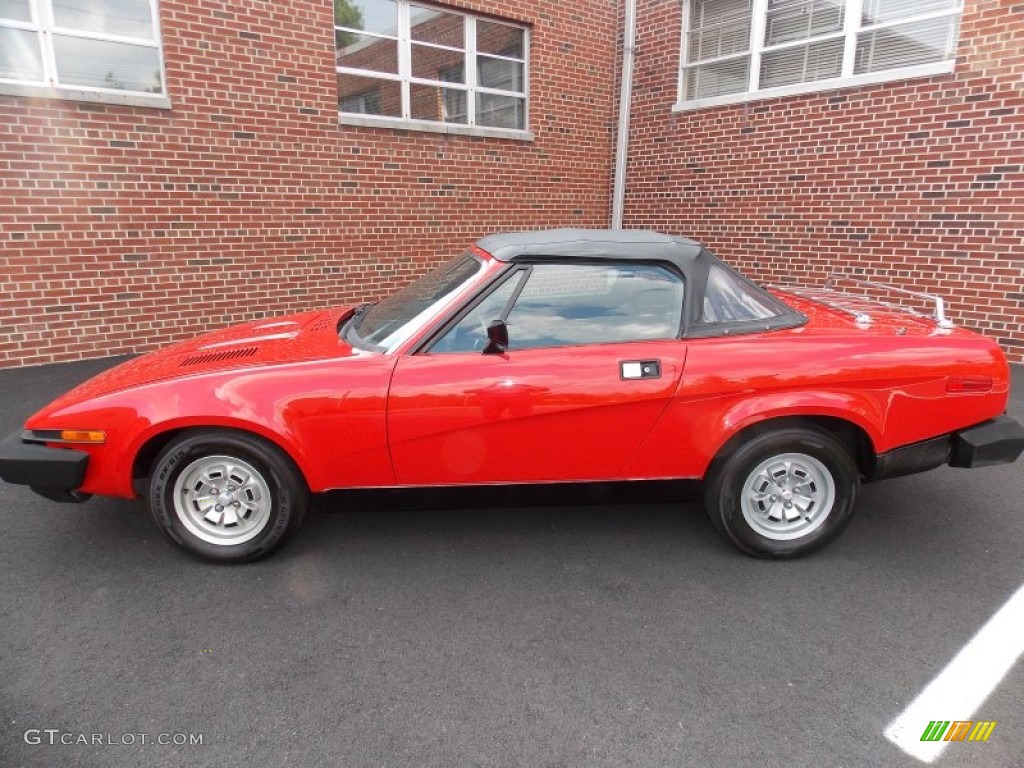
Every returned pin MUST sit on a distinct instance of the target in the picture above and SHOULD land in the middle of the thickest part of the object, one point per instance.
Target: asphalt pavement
(596, 634)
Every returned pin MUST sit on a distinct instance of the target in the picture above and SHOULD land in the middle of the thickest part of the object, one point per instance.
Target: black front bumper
(55, 473)
(997, 441)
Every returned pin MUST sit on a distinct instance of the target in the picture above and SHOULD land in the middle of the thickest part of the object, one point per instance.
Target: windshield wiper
(349, 324)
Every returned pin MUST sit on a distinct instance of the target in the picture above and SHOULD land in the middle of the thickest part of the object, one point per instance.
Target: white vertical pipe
(625, 103)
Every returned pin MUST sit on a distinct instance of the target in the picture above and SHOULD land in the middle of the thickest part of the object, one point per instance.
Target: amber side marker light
(83, 436)
(969, 384)
(87, 436)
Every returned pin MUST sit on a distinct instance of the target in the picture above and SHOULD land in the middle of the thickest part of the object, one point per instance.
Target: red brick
(306, 213)
(794, 167)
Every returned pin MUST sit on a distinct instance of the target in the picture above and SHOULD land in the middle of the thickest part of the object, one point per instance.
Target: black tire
(269, 500)
(737, 486)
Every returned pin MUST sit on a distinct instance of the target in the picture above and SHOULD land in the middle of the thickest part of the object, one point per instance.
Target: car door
(593, 359)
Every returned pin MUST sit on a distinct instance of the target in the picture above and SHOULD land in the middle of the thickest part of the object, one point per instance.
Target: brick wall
(123, 228)
(918, 182)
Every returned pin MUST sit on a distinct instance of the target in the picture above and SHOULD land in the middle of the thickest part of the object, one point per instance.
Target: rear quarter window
(729, 298)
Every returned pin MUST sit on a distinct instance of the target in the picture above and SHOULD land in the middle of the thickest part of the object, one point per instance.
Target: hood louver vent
(218, 357)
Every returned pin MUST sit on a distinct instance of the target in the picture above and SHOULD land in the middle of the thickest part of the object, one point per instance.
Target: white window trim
(427, 126)
(846, 80)
(44, 25)
(406, 79)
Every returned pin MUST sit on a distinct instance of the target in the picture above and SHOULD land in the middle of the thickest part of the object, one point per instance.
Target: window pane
(437, 104)
(369, 96)
(470, 334)
(432, 26)
(99, 64)
(380, 16)
(730, 299)
(389, 322)
(499, 73)
(905, 45)
(802, 64)
(565, 305)
(19, 55)
(888, 10)
(376, 54)
(500, 39)
(130, 18)
(718, 28)
(494, 111)
(15, 9)
(438, 64)
(717, 79)
(719, 41)
(802, 19)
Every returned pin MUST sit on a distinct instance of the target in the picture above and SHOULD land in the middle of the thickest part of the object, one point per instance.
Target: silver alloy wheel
(222, 500)
(788, 496)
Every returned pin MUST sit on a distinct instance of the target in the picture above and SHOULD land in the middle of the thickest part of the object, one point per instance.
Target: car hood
(295, 338)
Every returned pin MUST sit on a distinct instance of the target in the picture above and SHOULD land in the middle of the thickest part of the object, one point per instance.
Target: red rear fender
(693, 431)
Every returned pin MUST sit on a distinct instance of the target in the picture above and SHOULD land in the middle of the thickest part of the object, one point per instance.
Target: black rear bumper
(55, 473)
(997, 441)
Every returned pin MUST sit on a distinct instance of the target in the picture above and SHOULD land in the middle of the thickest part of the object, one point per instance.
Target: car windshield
(392, 321)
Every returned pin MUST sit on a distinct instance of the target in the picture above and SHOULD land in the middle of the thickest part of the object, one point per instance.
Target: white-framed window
(740, 50)
(101, 50)
(412, 65)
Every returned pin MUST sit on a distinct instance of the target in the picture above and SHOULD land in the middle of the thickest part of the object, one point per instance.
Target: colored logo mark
(958, 730)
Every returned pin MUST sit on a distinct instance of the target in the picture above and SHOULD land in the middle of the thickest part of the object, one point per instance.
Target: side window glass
(729, 299)
(573, 304)
(470, 333)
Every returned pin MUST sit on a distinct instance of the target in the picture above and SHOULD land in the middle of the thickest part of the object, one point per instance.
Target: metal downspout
(625, 103)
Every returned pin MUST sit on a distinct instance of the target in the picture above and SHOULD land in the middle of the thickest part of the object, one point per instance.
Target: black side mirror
(497, 338)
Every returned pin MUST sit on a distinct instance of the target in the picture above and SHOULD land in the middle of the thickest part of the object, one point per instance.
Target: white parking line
(959, 690)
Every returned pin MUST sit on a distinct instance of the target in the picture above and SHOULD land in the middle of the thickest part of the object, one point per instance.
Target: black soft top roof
(618, 244)
(692, 260)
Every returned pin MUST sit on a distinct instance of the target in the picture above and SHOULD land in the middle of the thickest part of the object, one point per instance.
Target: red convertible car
(538, 357)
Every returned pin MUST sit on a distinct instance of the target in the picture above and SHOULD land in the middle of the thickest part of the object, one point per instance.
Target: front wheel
(783, 493)
(226, 496)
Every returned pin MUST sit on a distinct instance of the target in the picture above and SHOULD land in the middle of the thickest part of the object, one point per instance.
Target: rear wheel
(226, 496)
(783, 493)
